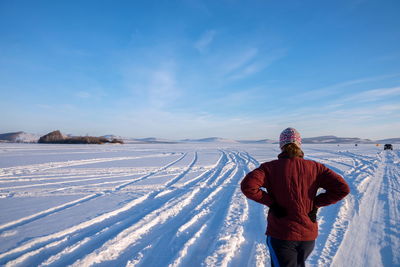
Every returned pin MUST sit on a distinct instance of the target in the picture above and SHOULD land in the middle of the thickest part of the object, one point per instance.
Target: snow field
(181, 205)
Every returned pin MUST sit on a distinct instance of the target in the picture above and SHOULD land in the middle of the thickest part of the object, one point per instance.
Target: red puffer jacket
(292, 183)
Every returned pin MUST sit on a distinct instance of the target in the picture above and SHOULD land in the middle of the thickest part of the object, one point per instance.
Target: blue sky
(192, 69)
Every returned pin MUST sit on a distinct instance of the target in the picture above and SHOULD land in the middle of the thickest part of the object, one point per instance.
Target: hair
(292, 150)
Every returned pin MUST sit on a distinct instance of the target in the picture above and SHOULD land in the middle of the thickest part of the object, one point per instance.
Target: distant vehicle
(388, 147)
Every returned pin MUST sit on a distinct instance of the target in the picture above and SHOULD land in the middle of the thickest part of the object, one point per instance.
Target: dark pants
(289, 253)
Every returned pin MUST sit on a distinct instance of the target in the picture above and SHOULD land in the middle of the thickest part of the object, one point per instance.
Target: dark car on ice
(388, 147)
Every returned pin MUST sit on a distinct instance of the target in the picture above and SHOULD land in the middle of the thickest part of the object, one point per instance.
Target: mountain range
(23, 137)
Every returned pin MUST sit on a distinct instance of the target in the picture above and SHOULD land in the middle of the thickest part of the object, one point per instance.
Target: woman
(292, 183)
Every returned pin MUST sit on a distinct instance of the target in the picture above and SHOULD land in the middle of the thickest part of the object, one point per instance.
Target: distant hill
(19, 137)
(153, 140)
(389, 141)
(262, 141)
(331, 139)
(328, 139)
(148, 140)
(210, 140)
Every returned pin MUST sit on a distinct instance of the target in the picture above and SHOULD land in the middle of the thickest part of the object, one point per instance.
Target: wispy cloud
(335, 88)
(374, 95)
(390, 107)
(239, 60)
(255, 64)
(154, 85)
(205, 40)
(83, 94)
(162, 87)
(247, 71)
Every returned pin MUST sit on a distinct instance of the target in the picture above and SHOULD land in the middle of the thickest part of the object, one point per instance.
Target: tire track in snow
(230, 235)
(66, 182)
(64, 179)
(73, 234)
(115, 221)
(72, 174)
(159, 224)
(54, 165)
(253, 251)
(208, 213)
(161, 205)
(187, 247)
(368, 233)
(119, 187)
(33, 217)
(39, 215)
(239, 240)
(391, 196)
(219, 218)
(334, 220)
(189, 229)
(327, 223)
(165, 211)
(180, 176)
(99, 184)
(69, 181)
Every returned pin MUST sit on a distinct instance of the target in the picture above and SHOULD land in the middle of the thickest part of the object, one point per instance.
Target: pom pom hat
(289, 135)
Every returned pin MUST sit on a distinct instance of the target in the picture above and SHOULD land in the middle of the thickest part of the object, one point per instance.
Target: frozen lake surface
(181, 205)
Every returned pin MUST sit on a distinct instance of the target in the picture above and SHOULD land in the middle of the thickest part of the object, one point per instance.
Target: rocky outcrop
(55, 137)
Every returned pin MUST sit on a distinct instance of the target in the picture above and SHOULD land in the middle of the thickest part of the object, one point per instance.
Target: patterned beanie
(289, 135)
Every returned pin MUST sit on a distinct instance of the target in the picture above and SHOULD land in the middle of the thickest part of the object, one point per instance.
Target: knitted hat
(289, 135)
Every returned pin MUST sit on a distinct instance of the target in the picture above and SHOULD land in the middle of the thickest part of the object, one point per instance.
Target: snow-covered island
(56, 137)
